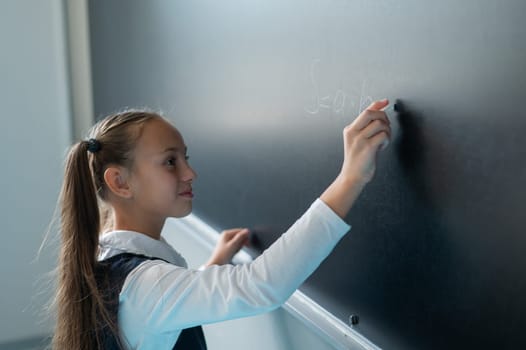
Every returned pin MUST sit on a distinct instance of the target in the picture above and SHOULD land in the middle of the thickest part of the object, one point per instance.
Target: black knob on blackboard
(353, 320)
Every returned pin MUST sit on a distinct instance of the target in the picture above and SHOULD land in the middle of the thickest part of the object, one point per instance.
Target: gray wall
(35, 134)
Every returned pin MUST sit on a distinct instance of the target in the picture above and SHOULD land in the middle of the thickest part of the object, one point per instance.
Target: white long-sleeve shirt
(159, 299)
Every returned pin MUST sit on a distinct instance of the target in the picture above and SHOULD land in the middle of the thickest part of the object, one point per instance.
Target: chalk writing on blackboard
(336, 102)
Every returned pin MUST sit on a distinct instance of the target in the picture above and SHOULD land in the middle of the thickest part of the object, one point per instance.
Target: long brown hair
(81, 314)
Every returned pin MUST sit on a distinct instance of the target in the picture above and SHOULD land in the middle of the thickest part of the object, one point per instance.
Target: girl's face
(161, 178)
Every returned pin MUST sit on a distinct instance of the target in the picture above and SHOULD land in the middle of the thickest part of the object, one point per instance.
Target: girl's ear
(116, 178)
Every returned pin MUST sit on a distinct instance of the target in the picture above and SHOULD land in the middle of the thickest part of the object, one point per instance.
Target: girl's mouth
(187, 194)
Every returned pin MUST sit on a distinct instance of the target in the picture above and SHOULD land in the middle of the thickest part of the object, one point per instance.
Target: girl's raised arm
(172, 297)
(362, 140)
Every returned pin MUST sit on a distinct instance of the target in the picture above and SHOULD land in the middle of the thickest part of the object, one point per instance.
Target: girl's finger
(240, 236)
(381, 140)
(232, 231)
(238, 242)
(367, 117)
(375, 127)
(378, 105)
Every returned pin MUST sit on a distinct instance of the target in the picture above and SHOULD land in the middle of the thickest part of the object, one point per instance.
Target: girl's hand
(230, 242)
(362, 139)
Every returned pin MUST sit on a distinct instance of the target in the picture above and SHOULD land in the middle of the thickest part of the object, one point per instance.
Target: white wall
(35, 132)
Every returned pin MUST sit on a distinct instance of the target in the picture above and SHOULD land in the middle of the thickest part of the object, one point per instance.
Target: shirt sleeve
(160, 297)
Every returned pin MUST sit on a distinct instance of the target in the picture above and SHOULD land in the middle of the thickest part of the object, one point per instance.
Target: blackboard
(261, 91)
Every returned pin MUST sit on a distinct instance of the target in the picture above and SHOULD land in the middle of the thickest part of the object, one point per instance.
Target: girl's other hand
(230, 242)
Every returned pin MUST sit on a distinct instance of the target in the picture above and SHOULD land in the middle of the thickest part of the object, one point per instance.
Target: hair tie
(94, 145)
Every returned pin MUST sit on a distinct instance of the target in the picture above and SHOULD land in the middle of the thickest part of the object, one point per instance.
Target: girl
(127, 288)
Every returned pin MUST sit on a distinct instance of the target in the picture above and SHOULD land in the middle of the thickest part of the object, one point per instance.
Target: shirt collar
(117, 242)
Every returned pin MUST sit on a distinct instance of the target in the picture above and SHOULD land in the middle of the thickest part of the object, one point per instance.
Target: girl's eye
(172, 160)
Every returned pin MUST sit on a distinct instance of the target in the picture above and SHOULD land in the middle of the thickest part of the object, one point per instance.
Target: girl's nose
(189, 174)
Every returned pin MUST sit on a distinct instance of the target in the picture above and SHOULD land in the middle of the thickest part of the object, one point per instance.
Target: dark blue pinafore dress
(111, 274)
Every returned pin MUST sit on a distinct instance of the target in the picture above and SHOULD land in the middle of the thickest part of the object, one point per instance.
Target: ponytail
(82, 318)
(79, 302)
